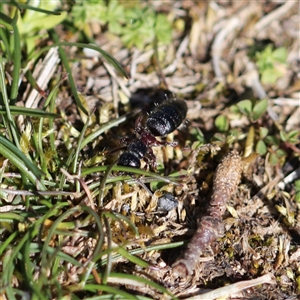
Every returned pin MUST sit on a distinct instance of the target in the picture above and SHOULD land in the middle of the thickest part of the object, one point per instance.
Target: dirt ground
(209, 64)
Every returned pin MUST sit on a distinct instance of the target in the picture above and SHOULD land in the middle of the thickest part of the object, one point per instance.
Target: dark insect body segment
(211, 227)
(138, 147)
(135, 151)
(128, 159)
(166, 117)
(163, 120)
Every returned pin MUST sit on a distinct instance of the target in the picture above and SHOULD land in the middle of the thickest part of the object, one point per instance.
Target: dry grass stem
(234, 289)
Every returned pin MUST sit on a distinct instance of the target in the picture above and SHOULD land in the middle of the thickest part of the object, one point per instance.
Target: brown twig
(211, 227)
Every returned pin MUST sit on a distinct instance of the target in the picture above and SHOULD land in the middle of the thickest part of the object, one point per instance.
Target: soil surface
(211, 65)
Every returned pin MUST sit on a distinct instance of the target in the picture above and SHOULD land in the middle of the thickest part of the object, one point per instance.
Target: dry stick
(235, 288)
(211, 227)
(219, 45)
(275, 15)
(43, 73)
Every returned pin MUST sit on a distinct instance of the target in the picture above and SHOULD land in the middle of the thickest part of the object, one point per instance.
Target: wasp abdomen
(136, 150)
(166, 117)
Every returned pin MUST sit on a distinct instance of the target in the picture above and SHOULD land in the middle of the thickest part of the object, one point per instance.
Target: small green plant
(31, 20)
(259, 137)
(261, 147)
(253, 110)
(271, 63)
(87, 11)
(137, 25)
(222, 123)
(143, 25)
(33, 24)
(276, 145)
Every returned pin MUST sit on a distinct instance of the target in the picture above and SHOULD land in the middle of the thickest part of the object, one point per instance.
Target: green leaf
(293, 136)
(198, 136)
(273, 159)
(261, 148)
(245, 107)
(163, 30)
(38, 22)
(263, 132)
(259, 109)
(283, 136)
(280, 153)
(140, 27)
(280, 55)
(114, 16)
(235, 109)
(264, 59)
(272, 140)
(84, 12)
(219, 137)
(297, 185)
(297, 198)
(270, 76)
(221, 122)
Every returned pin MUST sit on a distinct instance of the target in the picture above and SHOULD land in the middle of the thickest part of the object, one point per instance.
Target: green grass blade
(11, 126)
(6, 20)
(127, 170)
(109, 246)
(98, 222)
(132, 258)
(25, 111)
(121, 218)
(65, 61)
(81, 137)
(17, 62)
(143, 281)
(51, 231)
(10, 256)
(56, 253)
(10, 217)
(4, 244)
(117, 256)
(4, 39)
(41, 10)
(88, 139)
(19, 159)
(110, 59)
(109, 289)
(106, 55)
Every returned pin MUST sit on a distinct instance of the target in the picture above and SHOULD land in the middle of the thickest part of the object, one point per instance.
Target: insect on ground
(164, 119)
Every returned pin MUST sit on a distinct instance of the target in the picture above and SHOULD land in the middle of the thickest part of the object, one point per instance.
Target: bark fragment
(211, 227)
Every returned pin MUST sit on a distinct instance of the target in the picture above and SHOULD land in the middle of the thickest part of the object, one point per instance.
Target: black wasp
(163, 120)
